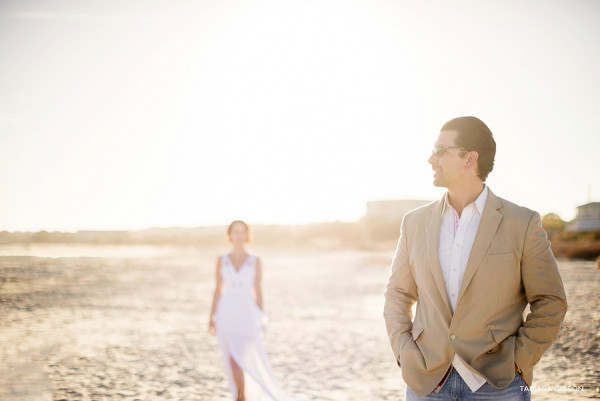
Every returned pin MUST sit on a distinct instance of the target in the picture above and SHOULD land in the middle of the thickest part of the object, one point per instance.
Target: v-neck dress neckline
(237, 269)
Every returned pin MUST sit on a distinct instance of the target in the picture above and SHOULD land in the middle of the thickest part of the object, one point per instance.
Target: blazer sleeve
(545, 294)
(400, 295)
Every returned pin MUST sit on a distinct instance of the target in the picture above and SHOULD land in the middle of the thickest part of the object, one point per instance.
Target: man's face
(447, 164)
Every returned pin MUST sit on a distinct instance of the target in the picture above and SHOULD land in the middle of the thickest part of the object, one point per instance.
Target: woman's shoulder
(256, 261)
(252, 259)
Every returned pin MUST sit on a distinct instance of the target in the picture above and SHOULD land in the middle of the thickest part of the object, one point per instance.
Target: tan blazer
(510, 265)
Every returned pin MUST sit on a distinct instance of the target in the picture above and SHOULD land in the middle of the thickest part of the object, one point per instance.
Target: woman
(237, 319)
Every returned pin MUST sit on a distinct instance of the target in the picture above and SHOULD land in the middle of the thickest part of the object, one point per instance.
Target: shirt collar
(479, 202)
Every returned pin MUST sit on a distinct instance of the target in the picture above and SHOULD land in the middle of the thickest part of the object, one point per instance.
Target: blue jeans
(455, 389)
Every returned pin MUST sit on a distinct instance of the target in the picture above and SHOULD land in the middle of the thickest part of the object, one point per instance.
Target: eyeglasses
(440, 150)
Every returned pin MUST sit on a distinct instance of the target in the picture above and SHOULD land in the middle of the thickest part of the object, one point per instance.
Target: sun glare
(141, 115)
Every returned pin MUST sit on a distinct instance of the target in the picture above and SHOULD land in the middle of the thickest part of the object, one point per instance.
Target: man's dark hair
(474, 135)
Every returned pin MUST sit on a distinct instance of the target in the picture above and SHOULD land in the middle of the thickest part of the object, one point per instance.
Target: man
(472, 262)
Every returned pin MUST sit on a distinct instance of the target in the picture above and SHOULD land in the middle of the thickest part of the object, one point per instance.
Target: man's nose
(431, 159)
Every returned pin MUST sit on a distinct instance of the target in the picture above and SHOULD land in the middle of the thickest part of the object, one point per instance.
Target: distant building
(392, 209)
(587, 219)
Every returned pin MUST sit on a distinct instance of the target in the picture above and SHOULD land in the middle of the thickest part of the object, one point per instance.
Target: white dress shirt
(456, 240)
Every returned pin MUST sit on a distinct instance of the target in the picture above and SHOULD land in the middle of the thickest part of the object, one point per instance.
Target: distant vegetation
(585, 245)
(363, 234)
(367, 233)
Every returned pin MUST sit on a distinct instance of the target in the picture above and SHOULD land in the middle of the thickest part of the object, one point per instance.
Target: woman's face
(238, 234)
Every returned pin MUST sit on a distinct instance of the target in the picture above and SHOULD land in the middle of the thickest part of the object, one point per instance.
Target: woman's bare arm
(257, 284)
(216, 296)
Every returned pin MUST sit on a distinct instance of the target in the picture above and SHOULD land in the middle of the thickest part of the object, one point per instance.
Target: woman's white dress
(238, 322)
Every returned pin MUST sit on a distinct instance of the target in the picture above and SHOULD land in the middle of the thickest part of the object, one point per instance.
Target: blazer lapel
(488, 225)
(432, 235)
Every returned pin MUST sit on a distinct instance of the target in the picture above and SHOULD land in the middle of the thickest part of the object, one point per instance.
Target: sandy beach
(131, 324)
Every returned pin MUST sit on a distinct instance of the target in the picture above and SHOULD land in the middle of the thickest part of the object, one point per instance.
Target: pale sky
(133, 114)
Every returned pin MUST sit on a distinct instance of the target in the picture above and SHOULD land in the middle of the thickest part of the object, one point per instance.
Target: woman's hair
(234, 222)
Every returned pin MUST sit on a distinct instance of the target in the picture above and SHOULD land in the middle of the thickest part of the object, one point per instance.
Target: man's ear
(472, 158)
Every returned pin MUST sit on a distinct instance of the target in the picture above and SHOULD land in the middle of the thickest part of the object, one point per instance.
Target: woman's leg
(238, 379)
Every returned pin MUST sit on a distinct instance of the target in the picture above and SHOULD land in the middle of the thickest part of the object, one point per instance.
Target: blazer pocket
(501, 335)
(494, 349)
(416, 332)
(500, 257)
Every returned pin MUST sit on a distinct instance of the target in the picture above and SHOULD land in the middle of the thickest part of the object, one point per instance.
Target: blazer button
(452, 337)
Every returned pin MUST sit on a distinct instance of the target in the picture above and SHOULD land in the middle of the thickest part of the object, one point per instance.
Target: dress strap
(224, 259)
(252, 260)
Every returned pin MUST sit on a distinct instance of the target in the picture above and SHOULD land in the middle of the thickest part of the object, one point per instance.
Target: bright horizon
(125, 116)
